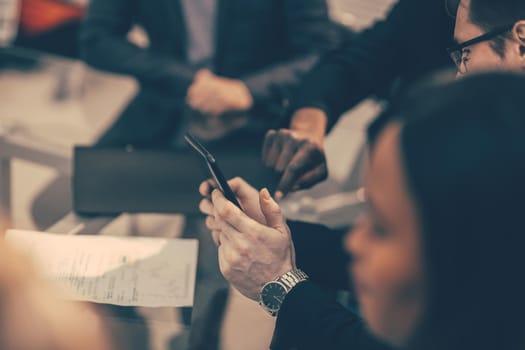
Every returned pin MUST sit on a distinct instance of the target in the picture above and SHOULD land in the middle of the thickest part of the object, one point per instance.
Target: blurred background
(51, 98)
(50, 101)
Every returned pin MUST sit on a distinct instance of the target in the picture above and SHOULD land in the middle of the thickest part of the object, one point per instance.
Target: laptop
(109, 181)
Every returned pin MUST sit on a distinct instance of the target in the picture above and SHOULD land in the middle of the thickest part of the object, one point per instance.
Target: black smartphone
(215, 171)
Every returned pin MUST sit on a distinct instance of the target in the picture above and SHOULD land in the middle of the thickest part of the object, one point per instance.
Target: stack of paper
(128, 271)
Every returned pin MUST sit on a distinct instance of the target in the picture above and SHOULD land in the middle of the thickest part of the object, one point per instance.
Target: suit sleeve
(410, 42)
(310, 33)
(319, 252)
(309, 319)
(104, 46)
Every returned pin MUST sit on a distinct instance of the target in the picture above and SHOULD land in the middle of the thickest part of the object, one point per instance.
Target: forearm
(104, 45)
(309, 319)
(119, 56)
(310, 119)
(319, 252)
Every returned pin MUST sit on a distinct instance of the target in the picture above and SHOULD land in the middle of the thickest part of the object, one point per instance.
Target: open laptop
(113, 180)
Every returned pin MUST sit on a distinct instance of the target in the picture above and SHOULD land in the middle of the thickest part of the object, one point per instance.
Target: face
(385, 248)
(481, 56)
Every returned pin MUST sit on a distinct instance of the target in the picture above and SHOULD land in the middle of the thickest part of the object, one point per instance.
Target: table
(41, 118)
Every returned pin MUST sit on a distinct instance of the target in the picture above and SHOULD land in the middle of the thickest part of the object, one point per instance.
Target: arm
(409, 43)
(309, 319)
(310, 33)
(319, 252)
(104, 46)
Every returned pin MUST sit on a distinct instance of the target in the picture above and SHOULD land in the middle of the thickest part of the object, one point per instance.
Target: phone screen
(214, 169)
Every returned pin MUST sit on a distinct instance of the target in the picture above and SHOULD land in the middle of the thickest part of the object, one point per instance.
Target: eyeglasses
(456, 52)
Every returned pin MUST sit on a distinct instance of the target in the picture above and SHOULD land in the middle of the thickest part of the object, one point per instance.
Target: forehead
(385, 178)
(465, 29)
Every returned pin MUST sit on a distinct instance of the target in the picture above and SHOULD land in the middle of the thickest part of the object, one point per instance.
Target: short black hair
(462, 146)
(494, 14)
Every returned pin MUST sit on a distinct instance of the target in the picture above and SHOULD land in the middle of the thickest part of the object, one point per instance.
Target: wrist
(273, 293)
(310, 120)
(245, 94)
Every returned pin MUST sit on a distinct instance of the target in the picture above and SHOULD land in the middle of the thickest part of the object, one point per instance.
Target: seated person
(437, 258)
(409, 44)
(210, 65)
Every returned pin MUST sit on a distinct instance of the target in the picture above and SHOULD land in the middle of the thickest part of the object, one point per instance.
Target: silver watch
(273, 293)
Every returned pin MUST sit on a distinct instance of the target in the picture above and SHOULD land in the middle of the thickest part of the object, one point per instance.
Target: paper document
(128, 271)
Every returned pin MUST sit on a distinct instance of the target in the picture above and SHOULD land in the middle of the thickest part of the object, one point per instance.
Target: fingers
(272, 211)
(207, 187)
(312, 178)
(229, 214)
(289, 147)
(307, 158)
(271, 148)
(243, 190)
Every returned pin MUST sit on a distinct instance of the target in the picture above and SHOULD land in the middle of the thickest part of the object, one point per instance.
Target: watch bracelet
(292, 278)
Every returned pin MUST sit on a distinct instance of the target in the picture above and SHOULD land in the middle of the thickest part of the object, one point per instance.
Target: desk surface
(49, 104)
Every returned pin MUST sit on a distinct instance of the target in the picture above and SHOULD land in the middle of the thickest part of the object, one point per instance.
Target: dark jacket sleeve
(309, 319)
(310, 33)
(319, 252)
(409, 43)
(104, 46)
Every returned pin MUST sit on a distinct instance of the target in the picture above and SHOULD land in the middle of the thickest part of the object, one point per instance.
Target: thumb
(271, 211)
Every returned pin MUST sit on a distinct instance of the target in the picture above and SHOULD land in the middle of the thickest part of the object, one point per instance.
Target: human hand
(247, 196)
(250, 253)
(213, 95)
(298, 153)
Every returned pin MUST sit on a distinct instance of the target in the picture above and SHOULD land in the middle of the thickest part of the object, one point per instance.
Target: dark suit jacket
(409, 44)
(310, 318)
(268, 44)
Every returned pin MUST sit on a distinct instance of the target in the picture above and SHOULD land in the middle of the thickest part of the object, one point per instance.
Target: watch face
(272, 296)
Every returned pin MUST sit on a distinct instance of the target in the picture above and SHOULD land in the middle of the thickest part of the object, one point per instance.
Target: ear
(518, 32)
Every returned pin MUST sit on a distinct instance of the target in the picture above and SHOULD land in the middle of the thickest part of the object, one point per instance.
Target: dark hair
(493, 14)
(463, 153)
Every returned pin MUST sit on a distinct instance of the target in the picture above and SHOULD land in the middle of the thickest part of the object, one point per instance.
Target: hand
(250, 253)
(247, 196)
(298, 153)
(213, 95)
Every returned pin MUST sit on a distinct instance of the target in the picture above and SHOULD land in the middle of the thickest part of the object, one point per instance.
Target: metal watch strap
(292, 278)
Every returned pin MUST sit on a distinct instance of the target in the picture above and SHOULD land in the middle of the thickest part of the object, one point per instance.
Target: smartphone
(215, 171)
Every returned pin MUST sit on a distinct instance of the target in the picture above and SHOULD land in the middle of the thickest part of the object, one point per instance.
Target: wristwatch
(273, 293)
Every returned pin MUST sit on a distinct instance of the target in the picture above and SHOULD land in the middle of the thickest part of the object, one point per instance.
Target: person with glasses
(489, 35)
(411, 42)
(437, 255)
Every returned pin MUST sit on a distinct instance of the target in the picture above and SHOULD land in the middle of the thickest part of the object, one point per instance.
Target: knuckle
(225, 212)
(210, 222)
(243, 251)
(236, 260)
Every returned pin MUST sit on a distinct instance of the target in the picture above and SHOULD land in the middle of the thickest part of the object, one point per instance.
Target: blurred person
(213, 66)
(33, 316)
(437, 256)
(408, 44)
(51, 26)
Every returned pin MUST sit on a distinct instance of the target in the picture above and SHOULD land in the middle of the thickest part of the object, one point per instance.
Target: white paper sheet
(129, 271)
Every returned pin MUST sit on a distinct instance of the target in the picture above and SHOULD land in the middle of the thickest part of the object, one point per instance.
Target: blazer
(268, 44)
(310, 318)
(409, 44)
